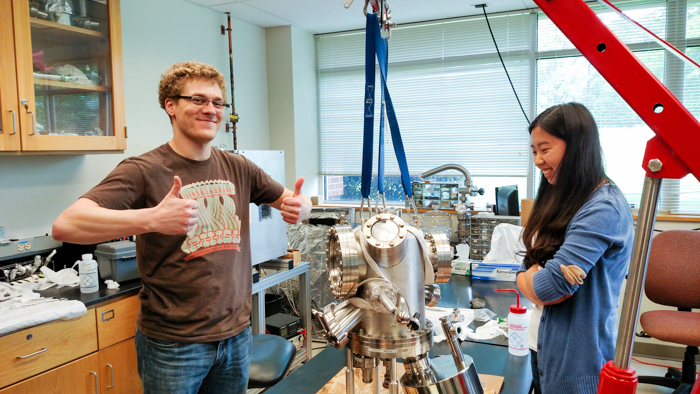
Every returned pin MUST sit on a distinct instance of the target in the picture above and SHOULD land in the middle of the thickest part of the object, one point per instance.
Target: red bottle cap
(519, 309)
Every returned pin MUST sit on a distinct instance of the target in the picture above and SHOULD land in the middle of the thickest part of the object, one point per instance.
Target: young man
(188, 203)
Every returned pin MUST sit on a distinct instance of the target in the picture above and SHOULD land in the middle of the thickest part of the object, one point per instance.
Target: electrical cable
(657, 365)
(483, 7)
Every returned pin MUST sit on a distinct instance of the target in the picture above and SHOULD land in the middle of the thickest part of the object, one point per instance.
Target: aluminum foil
(312, 240)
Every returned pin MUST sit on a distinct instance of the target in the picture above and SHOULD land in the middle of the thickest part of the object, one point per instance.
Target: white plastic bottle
(87, 269)
(517, 328)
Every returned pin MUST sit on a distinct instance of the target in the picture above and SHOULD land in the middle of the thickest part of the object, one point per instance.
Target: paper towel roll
(525, 209)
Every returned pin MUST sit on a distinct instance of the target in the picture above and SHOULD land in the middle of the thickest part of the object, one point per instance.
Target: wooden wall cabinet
(101, 343)
(61, 83)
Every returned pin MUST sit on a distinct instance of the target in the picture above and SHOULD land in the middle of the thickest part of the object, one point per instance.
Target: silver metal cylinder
(344, 262)
(440, 254)
(432, 295)
(338, 321)
(408, 278)
(379, 270)
(420, 371)
(465, 381)
(383, 235)
(349, 372)
(637, 272)
(451, 337)
(393, 384)
(377, 383)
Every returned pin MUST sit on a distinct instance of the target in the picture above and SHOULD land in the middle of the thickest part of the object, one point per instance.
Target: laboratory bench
(490, 357)
(92, 353)
(95, 352)
(102, 295)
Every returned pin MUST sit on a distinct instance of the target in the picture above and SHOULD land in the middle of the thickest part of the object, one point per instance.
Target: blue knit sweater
(577, 336)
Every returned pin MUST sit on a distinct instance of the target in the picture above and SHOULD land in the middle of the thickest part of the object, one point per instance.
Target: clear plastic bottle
(517, 328)
(87, 269)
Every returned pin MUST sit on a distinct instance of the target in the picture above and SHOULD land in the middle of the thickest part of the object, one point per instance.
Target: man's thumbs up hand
(297, 207)
(174, 215)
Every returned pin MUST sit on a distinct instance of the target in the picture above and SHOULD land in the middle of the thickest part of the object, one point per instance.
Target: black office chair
(673, 279)
(272, 357)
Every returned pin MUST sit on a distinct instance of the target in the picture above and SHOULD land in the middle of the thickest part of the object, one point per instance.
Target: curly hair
(173, 79)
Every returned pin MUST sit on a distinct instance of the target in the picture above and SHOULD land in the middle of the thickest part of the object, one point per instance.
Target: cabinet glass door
(71, 67)
(69, 74)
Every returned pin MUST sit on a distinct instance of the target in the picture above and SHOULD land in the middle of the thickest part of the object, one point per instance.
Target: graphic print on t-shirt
(218, 226)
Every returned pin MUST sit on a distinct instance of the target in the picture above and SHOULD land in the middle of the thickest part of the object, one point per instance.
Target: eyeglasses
(203, 101)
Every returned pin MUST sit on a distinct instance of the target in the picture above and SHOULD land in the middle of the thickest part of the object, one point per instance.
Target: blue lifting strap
(375, 44)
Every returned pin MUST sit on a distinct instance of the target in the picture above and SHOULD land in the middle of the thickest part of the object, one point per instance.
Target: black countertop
(460, 290)
(103, 294)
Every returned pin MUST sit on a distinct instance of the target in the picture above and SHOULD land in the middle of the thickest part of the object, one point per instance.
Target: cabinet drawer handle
(111, 374)
(97, 386)
(109, 317)
(33, 354)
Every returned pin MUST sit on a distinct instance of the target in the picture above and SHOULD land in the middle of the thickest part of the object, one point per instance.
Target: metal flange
(440, 254)
(384, 236)
(343, 260)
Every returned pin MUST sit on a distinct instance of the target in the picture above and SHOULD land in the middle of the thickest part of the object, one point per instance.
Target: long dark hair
(579, 174)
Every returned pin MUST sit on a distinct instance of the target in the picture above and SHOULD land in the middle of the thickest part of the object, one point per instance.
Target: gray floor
(648, 370)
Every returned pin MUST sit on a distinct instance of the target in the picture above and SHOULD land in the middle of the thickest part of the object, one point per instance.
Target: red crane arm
(677, 141)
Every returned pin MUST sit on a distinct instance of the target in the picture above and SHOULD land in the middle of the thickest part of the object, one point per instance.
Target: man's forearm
(85, 222)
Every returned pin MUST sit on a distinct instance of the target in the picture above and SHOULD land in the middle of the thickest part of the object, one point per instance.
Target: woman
(578, 244)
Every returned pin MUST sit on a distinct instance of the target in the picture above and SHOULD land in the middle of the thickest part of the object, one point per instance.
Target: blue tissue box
(494, 271)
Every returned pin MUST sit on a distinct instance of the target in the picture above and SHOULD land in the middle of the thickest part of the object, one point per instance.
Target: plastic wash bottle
(87, 269)
(517, 328)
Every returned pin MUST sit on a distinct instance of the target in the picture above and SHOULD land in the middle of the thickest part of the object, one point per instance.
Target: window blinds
(564, 75)
(452, 98)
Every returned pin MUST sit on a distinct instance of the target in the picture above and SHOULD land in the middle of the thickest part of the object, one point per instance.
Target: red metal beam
(676, 128)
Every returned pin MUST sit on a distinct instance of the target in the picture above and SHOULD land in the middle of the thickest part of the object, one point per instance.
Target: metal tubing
(467, 182)
(393, 384)
(349, 372)
(386, 303)
(349, 321)
(637, 272)
(305, 309)
(452, 343)
(377, 378)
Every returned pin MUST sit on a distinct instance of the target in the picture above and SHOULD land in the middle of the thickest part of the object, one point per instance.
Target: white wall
(292, 103)
(34, 190)
(280, 90)
(306, 133)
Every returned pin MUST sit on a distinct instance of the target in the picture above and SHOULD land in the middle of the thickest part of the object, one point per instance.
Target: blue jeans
(190, 368)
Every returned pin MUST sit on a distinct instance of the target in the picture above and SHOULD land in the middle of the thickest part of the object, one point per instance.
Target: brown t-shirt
(196, 287)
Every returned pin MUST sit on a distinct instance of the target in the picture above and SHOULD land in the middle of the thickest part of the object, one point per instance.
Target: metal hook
(410, 202)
